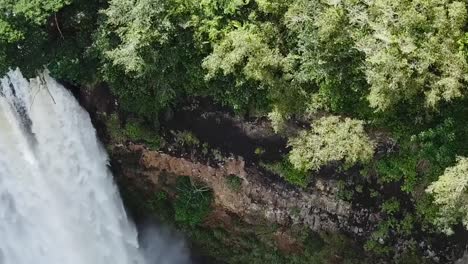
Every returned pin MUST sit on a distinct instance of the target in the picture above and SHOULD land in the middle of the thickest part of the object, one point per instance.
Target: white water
(58, 203)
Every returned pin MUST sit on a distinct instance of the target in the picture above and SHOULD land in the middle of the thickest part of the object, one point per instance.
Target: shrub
(287, 171)
(259, 151)
(331, 139)
(450, 193)
(234, 182)
(391, 206)
(137, 131)
(193, 202)
(186, 139)
(114, 129)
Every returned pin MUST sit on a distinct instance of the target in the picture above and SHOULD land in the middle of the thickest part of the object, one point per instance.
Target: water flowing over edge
(58, 202)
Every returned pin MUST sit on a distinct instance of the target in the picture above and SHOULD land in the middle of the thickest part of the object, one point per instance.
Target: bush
(234, 182)
(193, 202)
(287, 171)
(137, 131)
(114, 129)
(391, 206)
(186, 139)
(451, 195)
(331, 139)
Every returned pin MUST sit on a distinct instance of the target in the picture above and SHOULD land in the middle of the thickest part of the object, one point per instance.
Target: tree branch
(58, 27)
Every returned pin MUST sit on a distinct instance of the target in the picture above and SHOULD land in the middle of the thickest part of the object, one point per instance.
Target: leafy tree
(325, 54)
(147, 53)
(138, 25)
(422, 157)
(50, 33)
(450, 193)
(331, 139)
(399, 66)
(246, 49)
(245, 54)
(411, 49)
(22, 27)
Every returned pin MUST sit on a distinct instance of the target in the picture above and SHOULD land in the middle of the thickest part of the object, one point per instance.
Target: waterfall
(58, 202)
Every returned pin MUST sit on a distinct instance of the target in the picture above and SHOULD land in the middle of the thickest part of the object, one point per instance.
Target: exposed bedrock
(317, 207)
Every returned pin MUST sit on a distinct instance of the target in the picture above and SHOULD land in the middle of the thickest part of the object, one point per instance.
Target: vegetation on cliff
(346, 71)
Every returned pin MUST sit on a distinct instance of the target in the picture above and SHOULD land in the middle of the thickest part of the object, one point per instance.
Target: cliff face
(242, 188)
(256, 197)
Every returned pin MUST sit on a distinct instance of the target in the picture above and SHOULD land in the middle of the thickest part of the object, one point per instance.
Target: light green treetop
(331, 139)
(138, 24)
(246, 52)
(450, 193)
(411, 49)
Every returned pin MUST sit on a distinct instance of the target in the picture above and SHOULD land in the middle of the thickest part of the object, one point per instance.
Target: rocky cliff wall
(317, 207)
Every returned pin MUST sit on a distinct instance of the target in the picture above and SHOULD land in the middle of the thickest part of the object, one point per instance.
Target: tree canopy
(331, 139)
(451, 194)
(344, 70)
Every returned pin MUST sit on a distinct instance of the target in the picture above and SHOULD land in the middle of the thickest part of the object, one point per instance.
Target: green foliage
(145, 45)
(246, 47)
(114, 129)
(259, 151)
(274, 7)
(137, 131)
(377, 242)
(390, 206)
(399, 66)
(331, 140)
(137, 24)
(396, 168)
(241, 242)
(419, 49)
(160, 204)
(450, 193)
(278, 120)
(36, 11)
(380, 240)
(287, 171)
(244, 53)
(256, 244)
(326, 55)
(345, 191)
(52, 33)
(234, 182)
(18, 17)
(411, 256)
(134, 130)
(422, 157)
(193, 202)
(185, 139)
(339, 246)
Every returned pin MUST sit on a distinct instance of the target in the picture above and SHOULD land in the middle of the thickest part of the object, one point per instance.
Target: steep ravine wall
(317, 208)
(260, 198)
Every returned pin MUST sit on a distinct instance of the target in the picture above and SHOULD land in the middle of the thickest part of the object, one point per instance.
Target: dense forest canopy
(350, 69)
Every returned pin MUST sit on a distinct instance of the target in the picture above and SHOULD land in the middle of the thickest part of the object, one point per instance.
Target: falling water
(58, 203)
